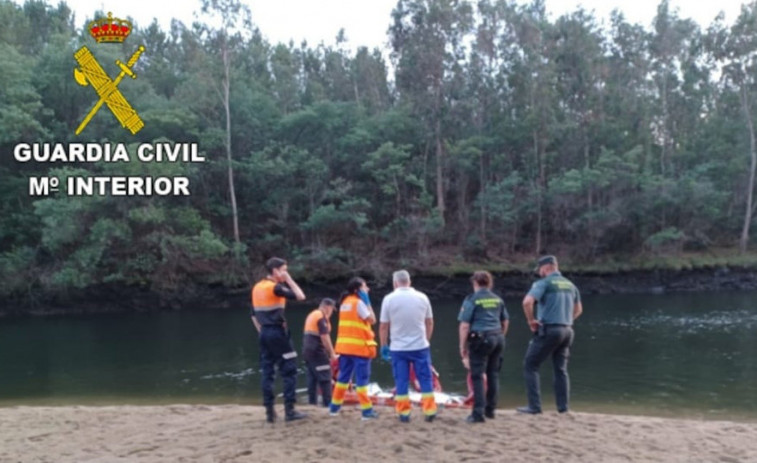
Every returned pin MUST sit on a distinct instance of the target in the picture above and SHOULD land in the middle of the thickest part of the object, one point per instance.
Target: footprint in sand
(39, 437)
(727, 459)
(736, 429)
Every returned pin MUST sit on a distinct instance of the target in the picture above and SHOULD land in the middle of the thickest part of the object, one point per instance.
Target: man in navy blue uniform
(269, 298)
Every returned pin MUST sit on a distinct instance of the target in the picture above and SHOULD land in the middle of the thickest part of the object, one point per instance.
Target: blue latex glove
(386, 354)
(364, 297)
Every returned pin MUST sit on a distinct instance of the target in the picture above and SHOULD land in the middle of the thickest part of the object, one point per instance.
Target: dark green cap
(544, 260)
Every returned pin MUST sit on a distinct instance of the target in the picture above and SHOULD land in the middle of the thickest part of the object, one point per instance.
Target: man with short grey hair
(407, 320)
(402, 277)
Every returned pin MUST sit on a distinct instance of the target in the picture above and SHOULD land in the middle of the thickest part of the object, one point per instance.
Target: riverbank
(229, 433)
(449, 282)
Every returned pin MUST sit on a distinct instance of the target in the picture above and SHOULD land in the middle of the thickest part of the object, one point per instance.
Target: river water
(683, 354)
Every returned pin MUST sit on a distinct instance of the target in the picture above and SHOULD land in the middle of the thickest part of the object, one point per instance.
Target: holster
(477, 340)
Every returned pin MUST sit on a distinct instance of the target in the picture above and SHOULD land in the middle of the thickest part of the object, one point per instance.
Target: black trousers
(276, 350)
(318, 369)
(485, 356)
(554, 340)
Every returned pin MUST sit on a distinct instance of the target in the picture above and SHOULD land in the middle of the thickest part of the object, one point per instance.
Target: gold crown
(110, 30)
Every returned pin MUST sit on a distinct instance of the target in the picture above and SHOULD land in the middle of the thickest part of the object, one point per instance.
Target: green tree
(235, 17)
(427, 40)
(736, 49)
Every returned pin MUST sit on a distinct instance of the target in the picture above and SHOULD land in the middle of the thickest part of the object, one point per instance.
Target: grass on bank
(724, 258)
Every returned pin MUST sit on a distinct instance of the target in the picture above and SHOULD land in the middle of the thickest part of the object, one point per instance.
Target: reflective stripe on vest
(361, 325)
(311, 323)
(354, 335)
(264, 299)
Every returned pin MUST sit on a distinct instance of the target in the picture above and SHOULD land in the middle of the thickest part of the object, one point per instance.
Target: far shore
(437, 283)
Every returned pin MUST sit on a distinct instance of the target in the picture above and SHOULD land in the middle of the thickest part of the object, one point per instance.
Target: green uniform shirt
(484, 310)
(556, 296)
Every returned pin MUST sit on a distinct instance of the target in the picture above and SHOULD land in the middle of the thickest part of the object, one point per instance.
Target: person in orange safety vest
(318, 351)
(269, 298)
(356, 346)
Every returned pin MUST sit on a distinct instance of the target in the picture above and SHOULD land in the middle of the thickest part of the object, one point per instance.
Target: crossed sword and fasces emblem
(90, 72)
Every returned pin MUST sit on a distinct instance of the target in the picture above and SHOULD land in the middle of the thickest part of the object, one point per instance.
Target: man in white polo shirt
(407, 321)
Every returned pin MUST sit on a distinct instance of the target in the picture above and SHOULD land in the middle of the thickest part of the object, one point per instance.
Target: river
(681, 354)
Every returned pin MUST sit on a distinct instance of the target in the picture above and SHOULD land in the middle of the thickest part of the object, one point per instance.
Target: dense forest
(486, 132)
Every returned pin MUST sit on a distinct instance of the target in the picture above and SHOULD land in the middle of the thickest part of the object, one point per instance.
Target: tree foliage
(495, 132)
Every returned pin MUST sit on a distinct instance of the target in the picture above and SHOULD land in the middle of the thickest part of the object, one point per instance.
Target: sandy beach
(232, 433)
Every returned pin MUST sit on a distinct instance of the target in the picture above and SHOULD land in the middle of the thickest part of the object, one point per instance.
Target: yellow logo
(90, 72)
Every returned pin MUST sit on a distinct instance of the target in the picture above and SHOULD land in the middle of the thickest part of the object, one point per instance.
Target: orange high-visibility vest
(311, 323)
(354, 335)
(264, 299)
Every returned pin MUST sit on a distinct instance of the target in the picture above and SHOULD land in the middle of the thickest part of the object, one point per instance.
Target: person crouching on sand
(356, 346)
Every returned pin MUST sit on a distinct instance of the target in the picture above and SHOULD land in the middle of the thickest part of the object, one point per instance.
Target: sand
(233, 433)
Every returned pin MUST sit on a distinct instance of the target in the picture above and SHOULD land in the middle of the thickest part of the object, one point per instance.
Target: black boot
(270, 414)
(292, 414)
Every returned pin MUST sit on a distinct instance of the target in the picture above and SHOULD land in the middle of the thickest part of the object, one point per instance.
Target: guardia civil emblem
(90, 72)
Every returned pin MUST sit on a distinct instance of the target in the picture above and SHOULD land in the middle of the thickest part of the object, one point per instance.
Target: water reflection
(676, 354)
(690, 324)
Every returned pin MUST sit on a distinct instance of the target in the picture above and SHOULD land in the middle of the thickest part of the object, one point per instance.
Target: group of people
(405, 329)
